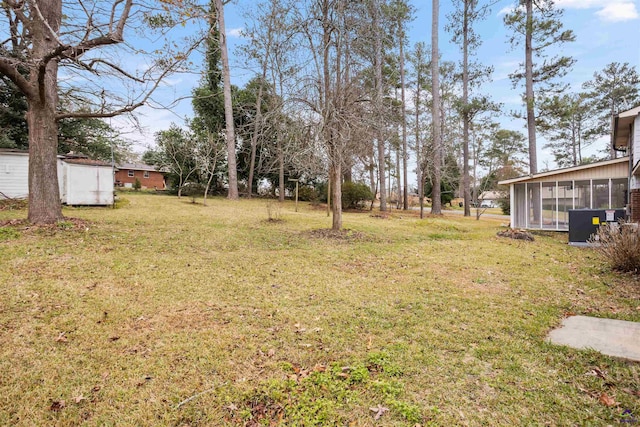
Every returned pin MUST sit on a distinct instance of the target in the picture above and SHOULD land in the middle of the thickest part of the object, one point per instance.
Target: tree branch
(131, 107)
(10, 69)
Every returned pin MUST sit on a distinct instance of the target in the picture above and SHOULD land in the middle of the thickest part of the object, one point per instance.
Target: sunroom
(542, 201)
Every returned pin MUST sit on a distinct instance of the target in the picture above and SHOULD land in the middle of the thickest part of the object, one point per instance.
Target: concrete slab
(617, 338)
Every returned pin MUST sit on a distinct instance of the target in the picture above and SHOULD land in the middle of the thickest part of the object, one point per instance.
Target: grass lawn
(164, 312)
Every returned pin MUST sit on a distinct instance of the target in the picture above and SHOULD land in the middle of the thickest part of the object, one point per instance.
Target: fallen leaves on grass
(516, 234)
(344, 235)
(597, 372)
(61, 337)
(607, 400)
(13, 204)
(379, 410)
(57, 405)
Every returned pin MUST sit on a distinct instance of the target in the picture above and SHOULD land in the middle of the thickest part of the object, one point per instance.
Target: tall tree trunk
(398, 178)
(405, 154)
(254, 137)
(466, 185)
(612, 152)
(436, 204)
(44, 192)
(530, 100)
(336, 179)
(281, 188)
(574, 145)
(335, 159)
(529, 95)
(419, 160)
(379, 107)
(228, 106)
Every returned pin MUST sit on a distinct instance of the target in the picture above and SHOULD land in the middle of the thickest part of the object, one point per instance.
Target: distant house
(626, 138)
(490, 199)
(148, 176)
(81, 181)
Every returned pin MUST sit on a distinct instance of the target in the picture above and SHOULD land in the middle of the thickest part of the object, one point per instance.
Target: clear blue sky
(606, 31)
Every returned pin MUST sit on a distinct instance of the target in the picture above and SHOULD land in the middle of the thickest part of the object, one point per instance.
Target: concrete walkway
(617, 338)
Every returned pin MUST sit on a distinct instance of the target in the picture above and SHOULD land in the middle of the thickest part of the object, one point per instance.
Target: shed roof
(621, 126)
(13, 151)
(577, 172)
(88, 162)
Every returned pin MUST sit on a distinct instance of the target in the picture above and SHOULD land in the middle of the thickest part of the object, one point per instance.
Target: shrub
(354, 194)
(505, 205)
(193, 190)
(619, 244)
(307, 194)
(137, 185)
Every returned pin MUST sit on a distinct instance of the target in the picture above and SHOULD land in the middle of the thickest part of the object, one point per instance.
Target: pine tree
(613, 90)
(538, 24)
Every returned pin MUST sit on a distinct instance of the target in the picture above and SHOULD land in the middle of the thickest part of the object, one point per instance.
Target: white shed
(81, 181)
(14, 174)
(86, 182)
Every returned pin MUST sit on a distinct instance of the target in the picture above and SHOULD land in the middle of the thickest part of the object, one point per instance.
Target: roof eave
(565, 170)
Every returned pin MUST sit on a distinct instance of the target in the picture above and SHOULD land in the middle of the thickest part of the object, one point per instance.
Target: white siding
(14, 175)
(61, 181)
(88, 184)
(78, 184)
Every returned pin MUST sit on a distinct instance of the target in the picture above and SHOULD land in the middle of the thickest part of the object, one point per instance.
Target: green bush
(321, 190)
(137, 185)
(307, 194)
(193, 190)
(354, 194)
(505, 205)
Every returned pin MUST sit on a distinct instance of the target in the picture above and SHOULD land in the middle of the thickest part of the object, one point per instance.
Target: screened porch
(543, 201)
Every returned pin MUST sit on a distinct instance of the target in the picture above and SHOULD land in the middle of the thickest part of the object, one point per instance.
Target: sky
(606, 31)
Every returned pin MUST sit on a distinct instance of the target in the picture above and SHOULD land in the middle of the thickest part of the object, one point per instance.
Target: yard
(164, 312)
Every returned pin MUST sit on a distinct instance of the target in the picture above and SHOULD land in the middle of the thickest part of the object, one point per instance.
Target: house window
(130, 174)
(146, 174)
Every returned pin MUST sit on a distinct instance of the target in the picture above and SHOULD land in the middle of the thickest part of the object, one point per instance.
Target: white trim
(565, 170)
(512, 202)
(557, 209)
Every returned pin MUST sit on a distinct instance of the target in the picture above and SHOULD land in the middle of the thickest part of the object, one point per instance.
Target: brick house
(149, 177)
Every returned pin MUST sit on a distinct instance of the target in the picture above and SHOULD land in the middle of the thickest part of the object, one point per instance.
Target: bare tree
(378, 100)
(269, 37)
(177, 149)
(401, 13)
(207, 152)
(44, 37)
(420, 62)
(461, 26)
(230, 133)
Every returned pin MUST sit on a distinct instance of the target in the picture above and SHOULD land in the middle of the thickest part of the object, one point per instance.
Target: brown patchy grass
(164, 312)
